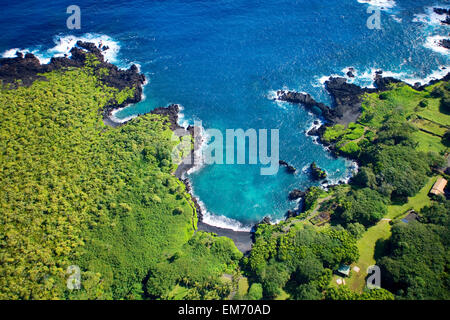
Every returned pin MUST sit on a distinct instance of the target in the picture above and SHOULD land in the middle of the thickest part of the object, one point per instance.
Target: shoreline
(345, 108)
(349, 105)
(242, 239)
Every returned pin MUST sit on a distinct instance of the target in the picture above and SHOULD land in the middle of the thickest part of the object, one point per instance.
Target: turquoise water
(221, 60)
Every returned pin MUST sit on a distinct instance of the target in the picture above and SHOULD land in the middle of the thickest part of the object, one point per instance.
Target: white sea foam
(182, 121)
(220, 220)
(396, 19)
(114, 118)
(202, 140)
(383, 4)
(405, 77)
(433, 23)
(434, 43)
(12, 53)
(274, 95)
(366, 78)
(352, 169)
(63, 45)
(430, 17)
(323, 79)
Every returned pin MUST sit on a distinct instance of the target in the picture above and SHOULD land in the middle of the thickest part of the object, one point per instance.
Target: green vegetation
(424, 110)
(75, 192)
(364, 206)
(344, 293)
(317, 173)
(346, 139)
(417, 262)
(372, 241)
(398, 141)
(299, 262)
(256, 292)
(197, 266)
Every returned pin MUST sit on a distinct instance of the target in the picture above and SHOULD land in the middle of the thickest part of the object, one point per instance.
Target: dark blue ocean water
(222, 59)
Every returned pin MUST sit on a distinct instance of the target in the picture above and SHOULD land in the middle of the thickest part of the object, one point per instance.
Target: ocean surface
(223, 60)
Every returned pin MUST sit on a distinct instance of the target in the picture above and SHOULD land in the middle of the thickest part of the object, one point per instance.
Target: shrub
(255, 292)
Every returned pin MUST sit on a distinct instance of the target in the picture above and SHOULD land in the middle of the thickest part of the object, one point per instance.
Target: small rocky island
(317, 173)
(289, 168)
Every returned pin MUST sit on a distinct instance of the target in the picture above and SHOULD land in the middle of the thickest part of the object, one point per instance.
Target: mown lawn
(367, 246)
(417, 202)
(371, 244)
(428, 142)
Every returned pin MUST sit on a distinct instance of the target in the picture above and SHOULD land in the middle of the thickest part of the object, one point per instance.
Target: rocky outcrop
(28, 69)
(265, 221)
(304, 99)
(317, 173)
(445, 43)
(290, 169)
(383, 83)
(296, 194)
(347, 100)
(443, 12)
(171, 112)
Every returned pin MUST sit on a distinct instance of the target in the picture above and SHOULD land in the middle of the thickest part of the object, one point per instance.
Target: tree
(255, 292)
(344, 293)
(416, 265)
(364, 206)
(376, 294)
(446, 139)
(308, 291)
(274, 279)
(356, 229)
(308, 269)
(436, 213)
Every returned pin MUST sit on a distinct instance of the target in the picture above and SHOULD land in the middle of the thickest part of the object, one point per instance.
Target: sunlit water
(222, 60)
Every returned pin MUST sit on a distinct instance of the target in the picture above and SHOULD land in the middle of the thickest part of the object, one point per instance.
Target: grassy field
(402, 99)
(243, 287)
(371, 243)
(283, 296)
(417, 202)
(428, 142)
(367, 247)
(178, 293)
(430, 126)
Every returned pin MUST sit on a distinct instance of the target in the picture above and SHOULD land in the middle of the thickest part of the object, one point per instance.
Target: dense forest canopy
(75, 192)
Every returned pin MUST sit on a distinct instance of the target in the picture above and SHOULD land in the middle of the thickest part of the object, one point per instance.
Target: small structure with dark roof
(344, 270)
(412, 216)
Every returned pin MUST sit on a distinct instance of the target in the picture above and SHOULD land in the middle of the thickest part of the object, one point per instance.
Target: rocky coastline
(347, 100)
(27, 68)
(346, 107)
(443, 12)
